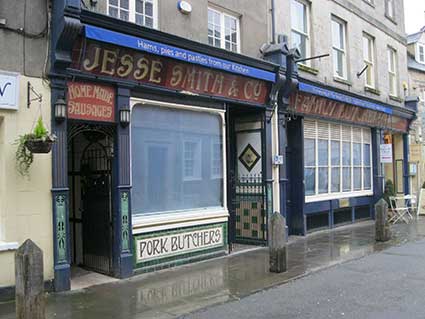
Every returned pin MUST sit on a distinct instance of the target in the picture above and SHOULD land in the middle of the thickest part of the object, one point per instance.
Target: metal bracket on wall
(31, 90)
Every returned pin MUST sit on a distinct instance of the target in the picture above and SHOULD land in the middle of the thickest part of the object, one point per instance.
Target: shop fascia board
(113, 24)
(396, 110)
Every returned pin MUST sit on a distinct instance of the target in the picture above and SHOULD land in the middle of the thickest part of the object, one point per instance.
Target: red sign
(91, 102)
(122, 63)
(319, 106)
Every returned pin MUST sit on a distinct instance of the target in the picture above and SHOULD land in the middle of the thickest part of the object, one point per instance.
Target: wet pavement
(175, 292)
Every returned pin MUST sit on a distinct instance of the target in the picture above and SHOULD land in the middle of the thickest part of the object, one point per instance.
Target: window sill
(318, 198)
(342, 80)
(369, 3)
(171, 220)
(390, 18)
(308, 69)
(372, 90)
(396, 98)
(8, 246)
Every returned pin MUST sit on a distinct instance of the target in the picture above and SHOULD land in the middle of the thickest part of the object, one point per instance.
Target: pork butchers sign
(91, 102)
(128, 64)
(177, 243)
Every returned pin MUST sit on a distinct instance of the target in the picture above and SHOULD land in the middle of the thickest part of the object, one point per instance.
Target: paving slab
(187, 289)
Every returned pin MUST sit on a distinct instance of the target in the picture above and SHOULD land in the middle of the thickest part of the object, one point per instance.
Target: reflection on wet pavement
(174, 292)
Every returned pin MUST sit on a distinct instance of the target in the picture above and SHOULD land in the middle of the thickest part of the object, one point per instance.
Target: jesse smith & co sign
(123, 63)
(178, 243)
(92, 102)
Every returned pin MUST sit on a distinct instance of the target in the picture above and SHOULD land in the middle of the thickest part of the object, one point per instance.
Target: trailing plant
(39, 141)
(24, 157)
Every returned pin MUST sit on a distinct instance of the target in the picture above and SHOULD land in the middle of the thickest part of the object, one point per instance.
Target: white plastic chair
(400, 209)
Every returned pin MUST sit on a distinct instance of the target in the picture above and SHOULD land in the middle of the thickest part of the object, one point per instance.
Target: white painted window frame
(197, 156)
(418, 53)
(223, 29)
(392, 71)
(343, 51)
(370, 62)
(183, 218)
(307, 35)
(341, 193)
(389, 9)
(132, 11)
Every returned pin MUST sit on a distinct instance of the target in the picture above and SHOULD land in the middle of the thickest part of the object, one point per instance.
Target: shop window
(392, 71)
(300, 27)
(339, 48)
(369, 59)
(337, 160)
(223, 30)
(177, 160)
(216, 160)
(142, 12)
(192, 160)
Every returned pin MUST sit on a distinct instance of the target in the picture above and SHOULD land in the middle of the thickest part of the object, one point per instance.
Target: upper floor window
(420, 55)
(389, 8)
(392, 71)
(300, 27)
(223, 30)
(369, 59)
(142, 12)
(339, 50)
(369, 1)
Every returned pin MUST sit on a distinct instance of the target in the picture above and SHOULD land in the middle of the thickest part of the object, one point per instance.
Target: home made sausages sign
(178, 243)
(127, 64)
(91, 102)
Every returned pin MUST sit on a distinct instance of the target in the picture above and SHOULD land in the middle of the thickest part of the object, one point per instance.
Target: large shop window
(177, 160)
(337, 160)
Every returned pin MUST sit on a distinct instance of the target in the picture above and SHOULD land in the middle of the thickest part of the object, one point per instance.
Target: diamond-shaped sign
(249, 157)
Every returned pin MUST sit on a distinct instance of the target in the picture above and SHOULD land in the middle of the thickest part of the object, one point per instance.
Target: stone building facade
(25, 210)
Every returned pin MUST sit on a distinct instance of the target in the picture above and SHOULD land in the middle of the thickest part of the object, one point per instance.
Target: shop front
(164, 156)
(334, 165)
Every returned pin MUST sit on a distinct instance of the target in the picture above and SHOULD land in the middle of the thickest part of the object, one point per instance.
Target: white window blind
(337, 160)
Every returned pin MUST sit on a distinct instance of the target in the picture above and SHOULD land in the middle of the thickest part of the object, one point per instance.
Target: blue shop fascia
(334, 172)
(158, 138)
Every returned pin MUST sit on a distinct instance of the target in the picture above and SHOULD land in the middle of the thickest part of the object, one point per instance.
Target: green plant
(23, 156)
(40, 130)
(388, 191)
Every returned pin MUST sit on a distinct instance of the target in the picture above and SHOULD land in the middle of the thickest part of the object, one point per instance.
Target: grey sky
(414, 11)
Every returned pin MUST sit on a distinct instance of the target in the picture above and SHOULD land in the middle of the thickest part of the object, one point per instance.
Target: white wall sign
(386, 151)
(9, 90)
(179, 243)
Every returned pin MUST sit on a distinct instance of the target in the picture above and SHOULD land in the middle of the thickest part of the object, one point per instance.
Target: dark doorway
(246, 187)
(90, 158)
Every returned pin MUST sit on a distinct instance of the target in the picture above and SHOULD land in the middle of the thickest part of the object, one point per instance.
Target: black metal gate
(251, 219)
(97, 207)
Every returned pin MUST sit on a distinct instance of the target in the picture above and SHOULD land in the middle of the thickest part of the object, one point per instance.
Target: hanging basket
(40, 146)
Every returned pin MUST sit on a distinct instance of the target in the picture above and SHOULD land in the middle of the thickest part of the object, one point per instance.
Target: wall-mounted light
(124, 117)
(60, 110)
(184, 7)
